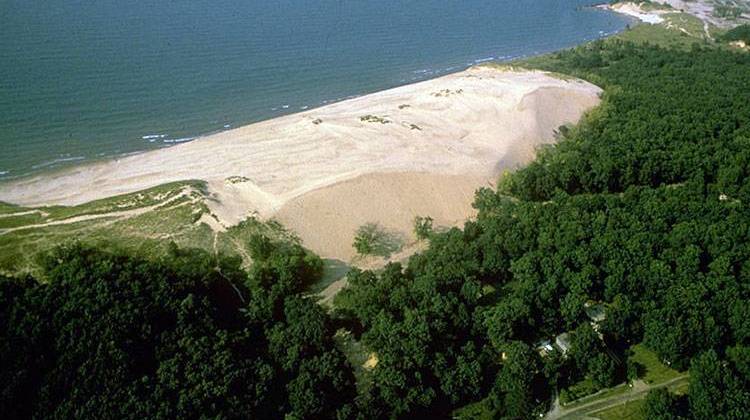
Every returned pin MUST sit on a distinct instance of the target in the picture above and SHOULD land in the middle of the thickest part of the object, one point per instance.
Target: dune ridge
(385, 157)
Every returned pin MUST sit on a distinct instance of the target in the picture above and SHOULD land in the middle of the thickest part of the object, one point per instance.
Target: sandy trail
(386, 157)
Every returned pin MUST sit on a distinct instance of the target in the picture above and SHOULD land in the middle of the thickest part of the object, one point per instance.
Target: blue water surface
(83, 80)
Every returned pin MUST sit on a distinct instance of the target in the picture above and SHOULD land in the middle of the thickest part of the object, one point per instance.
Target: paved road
(587, 410)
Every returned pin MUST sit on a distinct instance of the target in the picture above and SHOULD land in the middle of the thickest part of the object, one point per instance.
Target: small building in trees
(596, 312)
(544, 347)
(562, 342)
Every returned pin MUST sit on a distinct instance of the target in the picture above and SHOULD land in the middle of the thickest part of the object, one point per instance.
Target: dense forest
(643, 208)
(112, 336)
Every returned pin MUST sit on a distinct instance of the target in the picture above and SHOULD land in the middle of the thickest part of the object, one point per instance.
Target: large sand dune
(385, 157)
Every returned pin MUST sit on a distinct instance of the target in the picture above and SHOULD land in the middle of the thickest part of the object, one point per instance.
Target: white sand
(325, 172)
(634, 10)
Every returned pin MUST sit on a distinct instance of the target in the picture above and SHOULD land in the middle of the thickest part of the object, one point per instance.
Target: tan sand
(423, 150)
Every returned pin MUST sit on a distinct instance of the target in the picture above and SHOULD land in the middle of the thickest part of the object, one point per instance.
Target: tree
(716, 389)
(660, 405)
(513, 392)
(111, 335)
(422, 227)
(603, 371)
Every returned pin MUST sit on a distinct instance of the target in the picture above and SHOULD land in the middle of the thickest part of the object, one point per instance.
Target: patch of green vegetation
(577, 391)
(479, 410)
(6, 208)
(22, 219)
(446, 93)
(356, 354)
(236, 179)
(740, 33)
(216, 339)
(651, 369)
(725, 11)
(373, 239)
(664, 35)
(144, 222)
(631, 410)
(150, 197)
(374, 119)
(423, 227)
(650, 6)
(585, 393)
(687, 24)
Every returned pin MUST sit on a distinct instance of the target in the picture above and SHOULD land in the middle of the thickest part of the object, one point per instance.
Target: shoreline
(441, 138)
(64, 162)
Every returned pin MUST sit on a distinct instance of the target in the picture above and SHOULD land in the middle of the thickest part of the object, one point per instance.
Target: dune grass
(145, 223)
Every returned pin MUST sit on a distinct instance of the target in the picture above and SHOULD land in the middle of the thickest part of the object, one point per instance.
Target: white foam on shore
(180, 140)
(57, 161)
(154, 136)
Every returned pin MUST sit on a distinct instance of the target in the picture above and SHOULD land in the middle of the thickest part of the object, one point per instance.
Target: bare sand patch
(420, 149)
(326, 219)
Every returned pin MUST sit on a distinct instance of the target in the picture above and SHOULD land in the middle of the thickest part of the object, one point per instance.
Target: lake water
(83, 80)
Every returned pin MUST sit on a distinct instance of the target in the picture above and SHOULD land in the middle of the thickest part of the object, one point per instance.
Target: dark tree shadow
(374, 239)
(333, 270)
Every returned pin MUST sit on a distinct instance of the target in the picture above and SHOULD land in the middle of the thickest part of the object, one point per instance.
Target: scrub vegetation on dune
(144, 223)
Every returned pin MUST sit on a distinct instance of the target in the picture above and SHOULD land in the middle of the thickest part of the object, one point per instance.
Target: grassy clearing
(479, 410)
(651, 369)
(631, 410)
(669, 33)
(583, 393)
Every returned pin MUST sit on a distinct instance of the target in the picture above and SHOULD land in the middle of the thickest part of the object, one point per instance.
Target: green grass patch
(651, 369)
(584, 392)
(23, 219)
(631, 410)
(6, 208)
(664, 35)
(479, 410)
(146, 198)
(577, 391)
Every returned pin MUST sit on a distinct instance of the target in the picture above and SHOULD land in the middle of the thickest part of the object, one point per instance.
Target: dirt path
(588, 410)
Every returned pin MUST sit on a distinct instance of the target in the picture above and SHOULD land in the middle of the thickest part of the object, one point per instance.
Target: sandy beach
(420, 149)
(635, 10)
